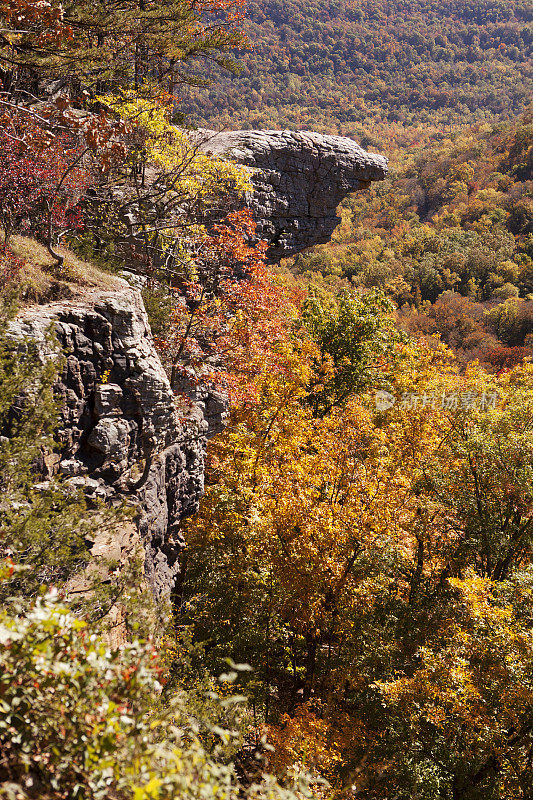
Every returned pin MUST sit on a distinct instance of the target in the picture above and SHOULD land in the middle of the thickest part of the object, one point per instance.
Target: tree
(49, 161)
(353, 335)
(357, 560)
(96, 45)
(231, 324)
(43, 176)
(171, 192)
(80, 720)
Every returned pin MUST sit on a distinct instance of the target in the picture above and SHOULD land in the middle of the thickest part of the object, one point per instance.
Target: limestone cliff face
(299, 179)
(120, 432)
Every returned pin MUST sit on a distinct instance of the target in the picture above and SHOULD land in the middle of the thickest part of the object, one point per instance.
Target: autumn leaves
(373, 566)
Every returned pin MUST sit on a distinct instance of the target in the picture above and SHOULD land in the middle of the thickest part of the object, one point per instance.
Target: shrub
(79, 720)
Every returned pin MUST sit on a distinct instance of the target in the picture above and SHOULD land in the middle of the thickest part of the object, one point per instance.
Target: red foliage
(238, 325)
(41, 177)
(43, 19)
(503, 358)
(10, 268)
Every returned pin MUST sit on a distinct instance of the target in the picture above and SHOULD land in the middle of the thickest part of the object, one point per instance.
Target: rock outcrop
(121, 434)
(120, 431)
(299, 179)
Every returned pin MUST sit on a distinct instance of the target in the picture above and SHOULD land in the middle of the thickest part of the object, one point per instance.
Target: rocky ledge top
(299, 178)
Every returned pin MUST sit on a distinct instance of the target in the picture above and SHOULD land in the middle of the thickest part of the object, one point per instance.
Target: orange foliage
(307, 739)
(238, 319)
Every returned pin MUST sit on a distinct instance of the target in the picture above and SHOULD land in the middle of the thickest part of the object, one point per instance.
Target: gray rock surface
(299, 179)
(119, 416)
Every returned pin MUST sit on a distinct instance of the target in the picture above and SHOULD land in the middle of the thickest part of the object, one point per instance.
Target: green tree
(95, 45)
(354, 335)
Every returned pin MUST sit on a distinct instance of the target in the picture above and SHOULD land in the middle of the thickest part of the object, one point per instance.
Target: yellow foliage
(169, 148)
(307, 740)
(378, 544)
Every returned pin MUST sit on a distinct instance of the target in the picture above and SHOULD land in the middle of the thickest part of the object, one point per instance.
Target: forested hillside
(88, 710)
(332, 598)
(353, 67)
(449, 237)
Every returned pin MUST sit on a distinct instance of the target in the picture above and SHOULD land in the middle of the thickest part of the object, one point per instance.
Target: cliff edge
(299, 178)
(120, 433)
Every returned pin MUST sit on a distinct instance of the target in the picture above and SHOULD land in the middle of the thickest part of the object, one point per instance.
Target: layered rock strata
(299, 178)
(120, 432)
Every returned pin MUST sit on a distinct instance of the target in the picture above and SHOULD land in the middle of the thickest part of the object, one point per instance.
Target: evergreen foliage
(90, 46)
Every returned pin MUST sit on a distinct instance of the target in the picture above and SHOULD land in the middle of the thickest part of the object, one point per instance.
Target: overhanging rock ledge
(118, 407)
(299, 178)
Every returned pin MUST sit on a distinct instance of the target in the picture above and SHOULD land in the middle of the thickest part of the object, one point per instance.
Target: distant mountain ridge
(336, 66)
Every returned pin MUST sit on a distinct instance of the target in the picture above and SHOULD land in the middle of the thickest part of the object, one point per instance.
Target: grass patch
(41, 280)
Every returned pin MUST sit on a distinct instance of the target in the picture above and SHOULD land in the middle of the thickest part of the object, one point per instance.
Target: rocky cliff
(299, 179)
(120, 432)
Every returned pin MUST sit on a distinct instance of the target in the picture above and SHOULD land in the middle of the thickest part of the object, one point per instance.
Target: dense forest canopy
(449, 238)
(352, 67)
